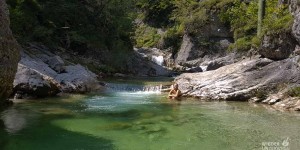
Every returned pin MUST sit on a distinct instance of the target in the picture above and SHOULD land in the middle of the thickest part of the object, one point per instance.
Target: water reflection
(14, 120)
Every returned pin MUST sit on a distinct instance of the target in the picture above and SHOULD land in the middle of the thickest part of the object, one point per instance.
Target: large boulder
(38, 79)
(242, 80)
(30, 82)
(9, 53)
(277, 46)
(77, 79)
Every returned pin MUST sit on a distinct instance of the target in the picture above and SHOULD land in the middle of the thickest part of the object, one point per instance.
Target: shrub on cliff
(242, 17)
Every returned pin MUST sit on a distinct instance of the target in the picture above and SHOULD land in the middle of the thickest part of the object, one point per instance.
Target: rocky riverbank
(248, 80)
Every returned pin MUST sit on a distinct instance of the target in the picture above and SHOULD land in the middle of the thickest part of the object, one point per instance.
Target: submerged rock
(240, 81)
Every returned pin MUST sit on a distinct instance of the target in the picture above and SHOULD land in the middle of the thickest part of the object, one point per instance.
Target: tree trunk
(261, 15)
(9, 54)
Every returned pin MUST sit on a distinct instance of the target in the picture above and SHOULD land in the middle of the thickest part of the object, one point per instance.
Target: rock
(142, 64)
(220, 62)
(273, 99)
(277, 46)
(240, 81)
(31, 82)
(297, 50)
(255, 100)
(57, 64)
(9, 54)
(194, 69)
(213, 65)
(119, 75)
(297, 106)
(212, 38)
(37, 79)
(224, 44)
(186, 51)
(77, 79)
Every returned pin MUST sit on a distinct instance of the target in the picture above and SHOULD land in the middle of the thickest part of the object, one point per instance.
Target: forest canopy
(118, 25)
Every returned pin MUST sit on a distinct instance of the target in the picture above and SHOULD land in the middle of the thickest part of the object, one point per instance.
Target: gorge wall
(9, 53)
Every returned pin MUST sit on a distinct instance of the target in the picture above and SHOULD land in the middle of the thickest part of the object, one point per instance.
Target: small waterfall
(116, 87)
(156, 88)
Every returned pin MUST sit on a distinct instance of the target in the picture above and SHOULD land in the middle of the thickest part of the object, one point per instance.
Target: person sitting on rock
(174, 93)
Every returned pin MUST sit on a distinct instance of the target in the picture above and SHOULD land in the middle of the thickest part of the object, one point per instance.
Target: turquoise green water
(143, 121)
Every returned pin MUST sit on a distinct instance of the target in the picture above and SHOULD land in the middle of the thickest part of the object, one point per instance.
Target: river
(129, 119)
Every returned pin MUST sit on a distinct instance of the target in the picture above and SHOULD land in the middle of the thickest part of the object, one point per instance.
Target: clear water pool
(144, 121)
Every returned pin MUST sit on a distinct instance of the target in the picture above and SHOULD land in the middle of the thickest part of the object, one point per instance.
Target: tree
(261, 15)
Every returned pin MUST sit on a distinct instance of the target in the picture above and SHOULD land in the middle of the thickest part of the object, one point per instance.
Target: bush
(146, 36)
(242, 17)
(278, 20)
(294, 92)
(241, 44)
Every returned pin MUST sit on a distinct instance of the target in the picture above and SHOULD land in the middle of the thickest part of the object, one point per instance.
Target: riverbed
(128, 119)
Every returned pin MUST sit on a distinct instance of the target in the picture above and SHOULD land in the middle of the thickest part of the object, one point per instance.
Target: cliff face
(9, 53)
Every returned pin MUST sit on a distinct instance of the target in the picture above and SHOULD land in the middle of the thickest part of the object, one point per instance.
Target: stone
(9, 54)
(35, 78)
(31, 82)
(240, 80)
(77, 79)
(142, 64)
(277, 46)
(185, 51)
(194, 69)
(57, 64)
(220, 62)
(120, 75)
(255, 100)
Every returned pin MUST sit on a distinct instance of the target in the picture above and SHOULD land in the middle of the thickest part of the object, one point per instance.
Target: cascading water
(117, 87)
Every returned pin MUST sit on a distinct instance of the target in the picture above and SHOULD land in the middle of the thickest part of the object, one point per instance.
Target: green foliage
(241, 44)
(93, 22)
(146, 36)
(294, 92)
(172, 37)
(75, 25)
(178, 17)
(242, 18)
(156, 12)
(279, 19)
(261, 94)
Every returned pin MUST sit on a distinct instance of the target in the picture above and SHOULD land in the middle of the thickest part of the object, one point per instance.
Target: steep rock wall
(9, 53)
